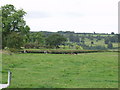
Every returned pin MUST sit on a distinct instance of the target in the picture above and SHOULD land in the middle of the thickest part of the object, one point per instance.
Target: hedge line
(62, 51)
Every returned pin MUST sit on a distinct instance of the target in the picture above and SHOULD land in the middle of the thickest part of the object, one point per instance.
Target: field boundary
(64, 51)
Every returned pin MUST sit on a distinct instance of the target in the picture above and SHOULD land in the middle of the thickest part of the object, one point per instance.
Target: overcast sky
(99, 16)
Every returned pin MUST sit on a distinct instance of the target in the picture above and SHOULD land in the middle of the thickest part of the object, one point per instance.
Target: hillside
(90, 41)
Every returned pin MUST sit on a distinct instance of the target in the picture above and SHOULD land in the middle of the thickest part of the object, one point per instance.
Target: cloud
(37, 14)
(77, 15)
(73, 14)
(40, 14)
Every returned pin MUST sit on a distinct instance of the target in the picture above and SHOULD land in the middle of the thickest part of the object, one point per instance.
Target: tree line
(16, 34)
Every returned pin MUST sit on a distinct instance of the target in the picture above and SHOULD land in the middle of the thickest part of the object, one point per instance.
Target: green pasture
(99, 43)
(96, 43)
(90, 70)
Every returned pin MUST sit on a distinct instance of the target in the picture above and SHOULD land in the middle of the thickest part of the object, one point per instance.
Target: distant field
(91, 70)
(96, 43)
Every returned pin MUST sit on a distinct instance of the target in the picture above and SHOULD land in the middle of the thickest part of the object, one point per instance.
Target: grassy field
(91, 70)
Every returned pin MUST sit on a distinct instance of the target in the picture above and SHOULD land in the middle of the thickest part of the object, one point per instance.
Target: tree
(106, 40)
(39, 38)
(35, 40)
(14, 40)
(83, 40)
(110, 45)
(0, 29)
(112, 33)
(71, 37)
(54, 40)
(92, 43)
(13, 21)
(76, 39)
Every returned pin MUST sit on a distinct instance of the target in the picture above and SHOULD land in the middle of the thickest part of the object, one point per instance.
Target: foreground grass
(93, 70)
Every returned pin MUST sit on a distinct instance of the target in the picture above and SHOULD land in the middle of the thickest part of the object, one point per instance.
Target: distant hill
(90, 41)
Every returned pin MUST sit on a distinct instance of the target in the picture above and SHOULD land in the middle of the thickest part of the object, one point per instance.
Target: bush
(95, 48)
(31, 45)
(61, 51)
(78, 47)
(14, 50)
(14, 40)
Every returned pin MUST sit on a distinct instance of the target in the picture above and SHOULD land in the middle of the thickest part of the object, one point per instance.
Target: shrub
(31, 45)
(62, 51)
(95, 48)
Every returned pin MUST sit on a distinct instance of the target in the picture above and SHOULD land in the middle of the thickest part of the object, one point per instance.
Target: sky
(100, 16)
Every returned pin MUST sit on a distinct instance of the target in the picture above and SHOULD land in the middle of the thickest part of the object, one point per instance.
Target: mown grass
(91, 70)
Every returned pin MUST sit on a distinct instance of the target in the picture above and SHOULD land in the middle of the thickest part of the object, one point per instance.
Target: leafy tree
(112, 33)
(83, 40)
(39, 38)
(76, 39)
(36, 37)
(54, 40)
(35, 40)
(110, 45)
(98, 37)
(92, 42)
(14, 40)
(71, 38)
(13, 21)
(0, 29)
(106, 40)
